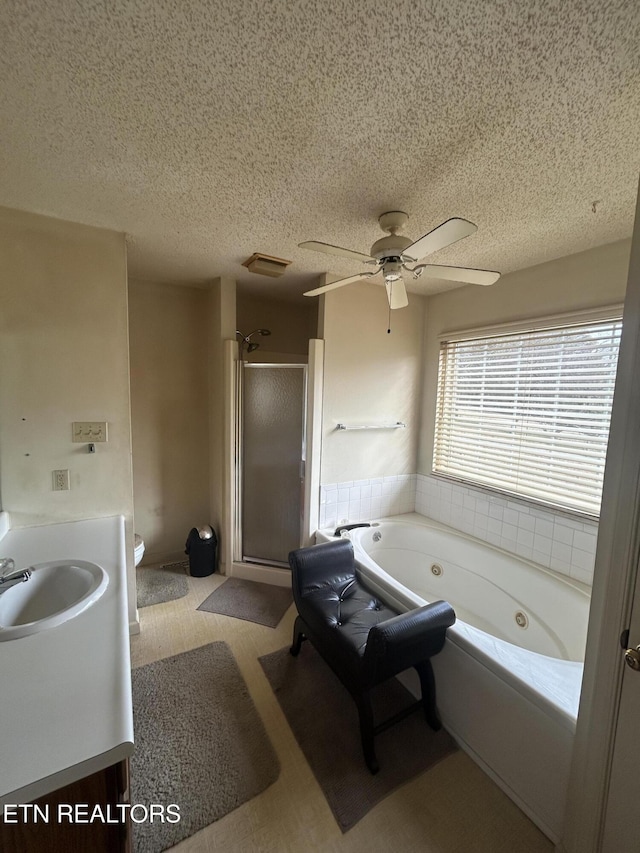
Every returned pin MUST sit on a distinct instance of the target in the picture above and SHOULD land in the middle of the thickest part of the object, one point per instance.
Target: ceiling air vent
(266, 265)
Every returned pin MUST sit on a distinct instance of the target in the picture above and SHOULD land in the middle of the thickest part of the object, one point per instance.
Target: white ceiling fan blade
(444, 235)
(340, 283)
(470, 276)
(328, 249)
(396, 294)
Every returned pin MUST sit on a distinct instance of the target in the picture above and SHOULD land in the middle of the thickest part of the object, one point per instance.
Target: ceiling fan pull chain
(389, 321)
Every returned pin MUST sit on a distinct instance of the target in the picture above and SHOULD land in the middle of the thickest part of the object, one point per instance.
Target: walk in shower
(270, 470)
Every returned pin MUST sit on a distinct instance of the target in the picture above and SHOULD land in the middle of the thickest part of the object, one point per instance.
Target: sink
(56, 591)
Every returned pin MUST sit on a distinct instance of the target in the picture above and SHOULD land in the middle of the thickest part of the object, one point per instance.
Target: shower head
(245, 340)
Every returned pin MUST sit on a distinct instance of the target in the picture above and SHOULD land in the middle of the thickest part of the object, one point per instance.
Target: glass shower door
(273, 404)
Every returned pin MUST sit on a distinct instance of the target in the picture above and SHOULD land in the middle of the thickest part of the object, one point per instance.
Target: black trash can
(201, 547)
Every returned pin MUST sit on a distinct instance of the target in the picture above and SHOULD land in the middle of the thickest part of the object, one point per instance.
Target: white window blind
(528, 413)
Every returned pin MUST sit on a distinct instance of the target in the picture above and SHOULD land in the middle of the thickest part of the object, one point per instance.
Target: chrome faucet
(9, 576)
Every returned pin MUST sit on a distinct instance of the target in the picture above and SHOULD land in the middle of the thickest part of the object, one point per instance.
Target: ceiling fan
(394, 253)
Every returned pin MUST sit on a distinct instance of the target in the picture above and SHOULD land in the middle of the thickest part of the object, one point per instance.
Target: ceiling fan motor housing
(390, 247)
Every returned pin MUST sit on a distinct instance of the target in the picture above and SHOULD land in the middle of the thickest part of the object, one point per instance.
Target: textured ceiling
(210, 130)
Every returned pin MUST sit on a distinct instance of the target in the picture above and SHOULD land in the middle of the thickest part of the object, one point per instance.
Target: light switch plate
(89, 431)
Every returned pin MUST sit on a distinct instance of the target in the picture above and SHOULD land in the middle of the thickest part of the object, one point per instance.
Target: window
(527, 413)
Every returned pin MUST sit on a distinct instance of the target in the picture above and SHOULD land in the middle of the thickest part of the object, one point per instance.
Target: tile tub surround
(551, 539)
(362, 500)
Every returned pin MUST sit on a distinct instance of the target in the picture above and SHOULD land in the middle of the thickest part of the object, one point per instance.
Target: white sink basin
(55, 592)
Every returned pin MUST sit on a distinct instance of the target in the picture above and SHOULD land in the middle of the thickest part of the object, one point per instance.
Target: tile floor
(453, 807)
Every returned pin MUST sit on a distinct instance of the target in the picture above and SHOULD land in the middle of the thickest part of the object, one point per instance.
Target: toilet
(138, 548)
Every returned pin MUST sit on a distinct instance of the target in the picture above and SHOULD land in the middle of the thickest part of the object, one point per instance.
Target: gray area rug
(254, 602)
(324, 720)
(199, 743)
(167, 583)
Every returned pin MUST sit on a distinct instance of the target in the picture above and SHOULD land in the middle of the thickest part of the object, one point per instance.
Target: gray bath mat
(199, 743)
(324, 720)
(164, 584)
(255, 602)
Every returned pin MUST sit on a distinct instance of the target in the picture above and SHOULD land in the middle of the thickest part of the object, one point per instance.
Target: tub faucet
(9, 576)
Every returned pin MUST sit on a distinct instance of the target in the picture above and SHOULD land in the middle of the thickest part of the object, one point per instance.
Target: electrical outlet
(61, 480)
(89, 431)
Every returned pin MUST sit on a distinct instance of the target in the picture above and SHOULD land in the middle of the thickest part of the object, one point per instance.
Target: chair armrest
(319, 565)
(404, 640)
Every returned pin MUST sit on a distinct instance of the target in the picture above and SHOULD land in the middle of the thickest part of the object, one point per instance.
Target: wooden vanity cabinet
(107, 787)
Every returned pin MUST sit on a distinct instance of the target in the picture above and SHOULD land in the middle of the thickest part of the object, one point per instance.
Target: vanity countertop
(65, 692)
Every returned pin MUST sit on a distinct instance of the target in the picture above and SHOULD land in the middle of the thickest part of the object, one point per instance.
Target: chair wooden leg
(365, 712)
(428, 688)
(298, 637)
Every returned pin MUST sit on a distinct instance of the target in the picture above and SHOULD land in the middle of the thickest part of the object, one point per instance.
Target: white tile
(496, 511)
(481, 523)
(376, 509)
(543, 514)
(493, 538)
(354, 493)
(346, 484)
(542, 544)
(510, 516)
(508, 544)
(541, 557)
(376, 490)
(365, 508)
(389, 487)
(469, 502)
(365, 492)
(331, 498)
(510, 532)
(526, 521)
(525, 537)
(457, 497)
(343, 494)
(584, 541)
(482, 507)
(584, 575)
(517, 506)
(561, 552)
(375, 480)
(559, 565)
(494, 525)
(361, 482)
(342, 511)
(574, 523)
(582, 559)
(544, 527)
(354, 510)
(562, 533)
(523, 550)
(468, 518)
(330, 487)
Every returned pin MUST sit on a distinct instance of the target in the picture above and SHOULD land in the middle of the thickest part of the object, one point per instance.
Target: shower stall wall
(272, 443)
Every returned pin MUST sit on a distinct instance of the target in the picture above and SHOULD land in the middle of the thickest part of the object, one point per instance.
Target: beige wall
(291, 325)
(169, 414)
(591, 279)
(63, 358)
(370, 377)
(221, 320)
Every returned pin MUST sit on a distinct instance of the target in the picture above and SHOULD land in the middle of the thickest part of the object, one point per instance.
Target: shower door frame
(232, 563)
(240, 468)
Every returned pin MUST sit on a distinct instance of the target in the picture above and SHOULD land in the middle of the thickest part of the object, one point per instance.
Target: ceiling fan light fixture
(392, 271)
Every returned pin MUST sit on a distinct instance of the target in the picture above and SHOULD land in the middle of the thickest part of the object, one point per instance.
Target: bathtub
(508, 680)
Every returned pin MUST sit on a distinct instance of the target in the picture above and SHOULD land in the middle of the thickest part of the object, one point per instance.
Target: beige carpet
(199, 743)
(324, 720)
(263, 603)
